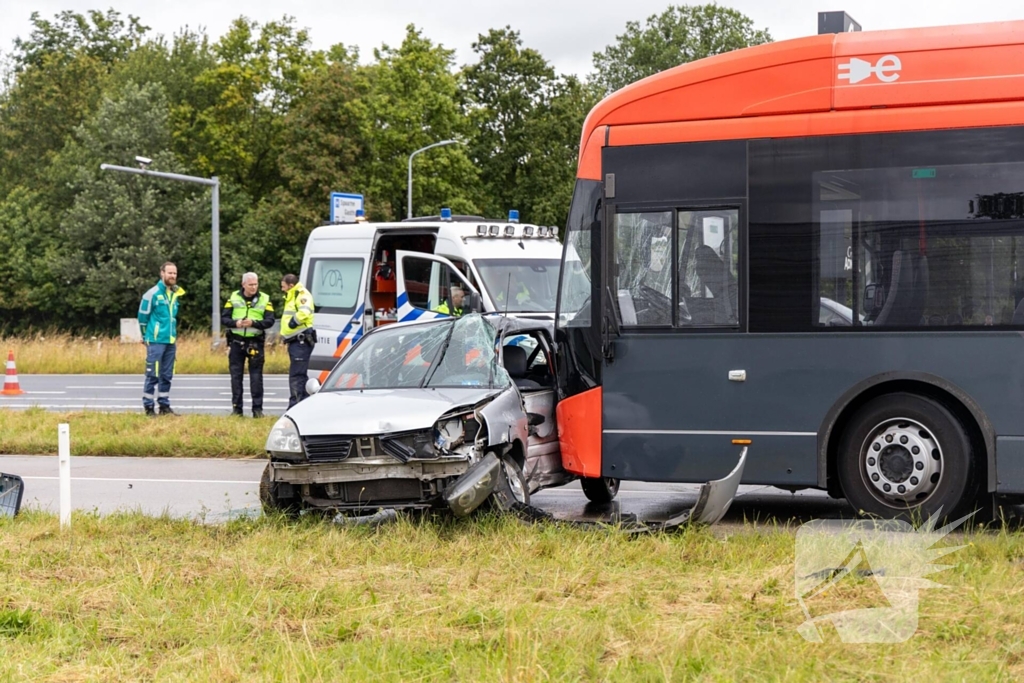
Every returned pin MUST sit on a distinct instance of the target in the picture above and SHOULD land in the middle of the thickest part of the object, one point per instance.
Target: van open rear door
(425, 284)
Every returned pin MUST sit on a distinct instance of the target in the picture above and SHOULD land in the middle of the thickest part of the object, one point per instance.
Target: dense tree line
(282, 125)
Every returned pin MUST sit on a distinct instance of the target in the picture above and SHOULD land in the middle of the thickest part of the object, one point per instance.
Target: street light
(424, 149)
(214, 183)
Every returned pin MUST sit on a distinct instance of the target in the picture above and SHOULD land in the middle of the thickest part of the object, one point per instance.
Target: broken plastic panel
(12, 489)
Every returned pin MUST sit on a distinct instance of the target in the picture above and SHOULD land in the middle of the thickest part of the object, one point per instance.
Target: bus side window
(708, 266)
(643, 256)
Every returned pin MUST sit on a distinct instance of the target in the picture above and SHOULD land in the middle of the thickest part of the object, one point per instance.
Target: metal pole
(214, 183)
(408, 188)
(215, 222)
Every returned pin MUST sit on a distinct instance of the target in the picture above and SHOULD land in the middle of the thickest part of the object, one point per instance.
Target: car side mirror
(312, 386)
(474, 302)
(534, 419)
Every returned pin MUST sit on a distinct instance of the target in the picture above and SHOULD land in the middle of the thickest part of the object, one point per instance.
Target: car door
(425, 282)
(543, 467)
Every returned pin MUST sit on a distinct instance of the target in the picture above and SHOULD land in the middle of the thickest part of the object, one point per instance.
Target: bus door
(425, 284)
(673, 374)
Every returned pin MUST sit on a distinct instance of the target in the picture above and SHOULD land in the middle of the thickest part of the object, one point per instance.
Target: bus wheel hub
(902, 461)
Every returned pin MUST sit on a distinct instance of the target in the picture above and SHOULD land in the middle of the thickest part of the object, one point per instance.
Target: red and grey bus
(816, 245)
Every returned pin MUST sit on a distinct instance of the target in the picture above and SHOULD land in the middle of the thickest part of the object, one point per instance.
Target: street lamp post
(214, 184)
(423, 149)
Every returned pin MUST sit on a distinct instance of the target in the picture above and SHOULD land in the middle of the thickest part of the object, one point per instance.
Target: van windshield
(529, 285)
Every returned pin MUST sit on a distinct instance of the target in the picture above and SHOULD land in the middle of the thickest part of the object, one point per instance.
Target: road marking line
(154, 481)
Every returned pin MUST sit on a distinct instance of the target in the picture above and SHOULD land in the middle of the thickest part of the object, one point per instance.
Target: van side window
(334, 284)
(464, 269)
(428, 283)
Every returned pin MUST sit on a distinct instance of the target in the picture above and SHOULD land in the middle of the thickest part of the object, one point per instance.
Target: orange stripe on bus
(579, 433)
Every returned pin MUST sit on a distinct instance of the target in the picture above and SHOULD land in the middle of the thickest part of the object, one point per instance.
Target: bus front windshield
(520, 285)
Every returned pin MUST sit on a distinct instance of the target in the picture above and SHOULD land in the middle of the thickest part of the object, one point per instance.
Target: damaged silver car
(450, 412)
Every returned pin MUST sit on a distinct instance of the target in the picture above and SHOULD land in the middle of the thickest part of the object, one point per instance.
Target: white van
(366, 274)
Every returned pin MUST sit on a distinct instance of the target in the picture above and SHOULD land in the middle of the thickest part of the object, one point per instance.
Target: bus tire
(906, 456)
(600, 489)
(269, 499)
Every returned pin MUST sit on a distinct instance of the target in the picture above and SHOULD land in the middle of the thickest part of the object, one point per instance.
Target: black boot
(257, 413)
(166, 410)
(149, 411)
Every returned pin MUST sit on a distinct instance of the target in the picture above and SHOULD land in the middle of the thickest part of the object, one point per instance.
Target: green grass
(34, 432)
(128, 597)
(61, 354)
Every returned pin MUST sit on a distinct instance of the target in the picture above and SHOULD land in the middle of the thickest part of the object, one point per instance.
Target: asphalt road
(215, 490)
(123, 393)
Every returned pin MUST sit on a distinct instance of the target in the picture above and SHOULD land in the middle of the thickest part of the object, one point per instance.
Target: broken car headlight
(449, 434)
(284, 438)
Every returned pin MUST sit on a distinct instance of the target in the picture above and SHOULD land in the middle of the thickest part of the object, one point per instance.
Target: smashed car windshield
(451, 352)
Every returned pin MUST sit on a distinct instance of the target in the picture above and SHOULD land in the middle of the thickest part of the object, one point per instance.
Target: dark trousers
(238, 352)
(298, 354)
(159, 371)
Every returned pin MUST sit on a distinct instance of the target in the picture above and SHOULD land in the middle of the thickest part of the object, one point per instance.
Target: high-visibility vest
(443, 308)
(298, 304)
(241, 309)
(158, 314)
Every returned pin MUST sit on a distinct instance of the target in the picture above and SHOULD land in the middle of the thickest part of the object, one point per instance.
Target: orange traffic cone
(11, 387)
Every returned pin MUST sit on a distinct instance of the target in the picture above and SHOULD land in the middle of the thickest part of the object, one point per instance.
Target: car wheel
(511, 487)
(600, 489)
(905, 456)
(272, 504)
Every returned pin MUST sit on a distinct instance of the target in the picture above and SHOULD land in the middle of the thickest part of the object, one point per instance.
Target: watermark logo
(864, 577)
(886, 69)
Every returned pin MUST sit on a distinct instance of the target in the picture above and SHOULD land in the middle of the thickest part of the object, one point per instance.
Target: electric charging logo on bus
(886, 69)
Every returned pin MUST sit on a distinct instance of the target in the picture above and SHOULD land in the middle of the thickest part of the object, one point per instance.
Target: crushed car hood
(380, 411)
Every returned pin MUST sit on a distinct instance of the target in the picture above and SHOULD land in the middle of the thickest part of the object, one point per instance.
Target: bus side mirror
(474, 302)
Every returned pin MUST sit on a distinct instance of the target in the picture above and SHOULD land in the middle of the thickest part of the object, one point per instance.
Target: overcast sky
(566, 32)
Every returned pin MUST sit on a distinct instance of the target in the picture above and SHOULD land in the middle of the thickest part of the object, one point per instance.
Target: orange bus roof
(820, 85)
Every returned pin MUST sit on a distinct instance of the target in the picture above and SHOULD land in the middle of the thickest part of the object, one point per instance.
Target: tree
(503, 92)
(680, 34)
(233, 127)
(323, 143)
(547, 186)
(410, 103)
(58, 72)
(121, 227)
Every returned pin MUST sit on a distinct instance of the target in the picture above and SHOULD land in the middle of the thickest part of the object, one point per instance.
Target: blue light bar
(446, 214)
(513, 216)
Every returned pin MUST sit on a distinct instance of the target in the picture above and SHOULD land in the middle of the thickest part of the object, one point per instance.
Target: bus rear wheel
(600, 489)
(906, 456)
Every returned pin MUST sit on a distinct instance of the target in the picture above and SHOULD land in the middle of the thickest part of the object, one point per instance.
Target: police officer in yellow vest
(297, 332)
(246, 317)
(458, 296)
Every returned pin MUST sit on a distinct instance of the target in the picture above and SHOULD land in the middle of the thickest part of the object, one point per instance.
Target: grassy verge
(59, 354)
(34, 432)
(134, 598)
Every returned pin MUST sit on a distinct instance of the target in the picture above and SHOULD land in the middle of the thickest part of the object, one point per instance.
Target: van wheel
(600, 489)
(905, 456)
(269, 499)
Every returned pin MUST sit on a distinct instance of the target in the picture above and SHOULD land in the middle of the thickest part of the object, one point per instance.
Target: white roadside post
(64, 467)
